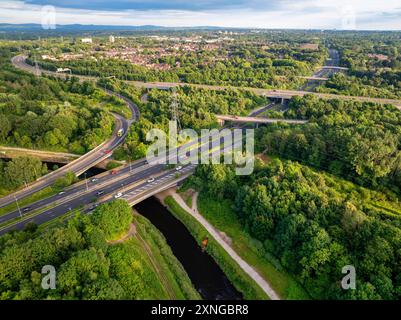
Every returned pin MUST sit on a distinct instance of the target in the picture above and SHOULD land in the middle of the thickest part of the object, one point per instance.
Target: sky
(294, 14)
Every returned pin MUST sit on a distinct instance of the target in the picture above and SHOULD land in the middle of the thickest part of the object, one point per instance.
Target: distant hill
(29, 27)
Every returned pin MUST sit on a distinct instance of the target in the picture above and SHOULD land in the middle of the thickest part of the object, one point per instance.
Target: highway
(86, 161)
(330, 67)
(85, 194)
(130, 179)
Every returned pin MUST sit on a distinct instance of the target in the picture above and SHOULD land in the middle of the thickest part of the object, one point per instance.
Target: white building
(112, 39)
(86, 40)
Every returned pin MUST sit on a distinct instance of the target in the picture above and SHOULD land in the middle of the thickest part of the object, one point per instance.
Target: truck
(120, 132)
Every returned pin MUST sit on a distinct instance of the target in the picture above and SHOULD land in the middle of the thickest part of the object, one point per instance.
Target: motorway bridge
(222, 118)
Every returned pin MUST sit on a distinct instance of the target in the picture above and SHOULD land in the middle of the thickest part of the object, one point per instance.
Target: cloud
(297, 14)
(145, 5)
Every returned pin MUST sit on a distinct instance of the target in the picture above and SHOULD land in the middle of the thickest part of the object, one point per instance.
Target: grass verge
(44, 193)
(170, 269)
(221, 215)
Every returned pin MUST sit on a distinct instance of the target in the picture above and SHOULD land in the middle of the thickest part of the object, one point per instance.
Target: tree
(5, 127)
(23, 170)
(112, 218)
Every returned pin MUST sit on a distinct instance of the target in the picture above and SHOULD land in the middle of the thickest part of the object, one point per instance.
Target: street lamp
(86, 182)
(19, 209)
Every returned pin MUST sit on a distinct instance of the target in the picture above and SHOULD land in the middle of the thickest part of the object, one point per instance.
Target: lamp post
(19, 209)
(86, 182)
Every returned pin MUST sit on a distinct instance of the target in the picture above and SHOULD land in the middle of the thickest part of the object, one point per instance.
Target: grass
(164, 277)
(113, 165)
(241, 281)
(187, 196)
(169, 268)
(221, 215)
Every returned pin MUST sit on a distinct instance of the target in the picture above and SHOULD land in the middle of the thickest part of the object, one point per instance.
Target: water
(204, 272)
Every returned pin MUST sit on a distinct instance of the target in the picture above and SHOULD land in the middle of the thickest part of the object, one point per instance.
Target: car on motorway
(99, 193)
(151, 180)
(118, 195)
(178, 168)
(113, 171)
(61, 193)
(26, 209)
(107, 151)
(94, 179)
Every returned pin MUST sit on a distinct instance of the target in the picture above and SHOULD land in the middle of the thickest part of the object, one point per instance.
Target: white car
(61, 193)
(178, 168)
(118, 195)
(151, 180)
(94, 179)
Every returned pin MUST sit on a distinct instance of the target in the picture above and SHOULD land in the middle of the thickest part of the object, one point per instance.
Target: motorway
(83, 163)
(324, 72)
(130, 180)
(81, 197)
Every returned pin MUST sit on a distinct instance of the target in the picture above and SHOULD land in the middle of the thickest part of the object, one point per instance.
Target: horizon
(368, 15)
(197, 27)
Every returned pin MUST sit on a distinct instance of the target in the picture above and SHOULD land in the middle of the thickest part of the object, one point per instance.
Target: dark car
(99, 193)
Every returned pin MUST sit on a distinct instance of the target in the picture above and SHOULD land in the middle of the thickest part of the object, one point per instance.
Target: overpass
(314, 78)
(334, 68)
(222, 118)
(288, 94)
(270, 93)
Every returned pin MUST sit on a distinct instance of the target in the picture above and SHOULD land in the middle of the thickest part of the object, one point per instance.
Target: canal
(205, 274)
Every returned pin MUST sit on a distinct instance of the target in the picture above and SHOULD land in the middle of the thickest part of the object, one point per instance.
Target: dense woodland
(89, 265)
(315, 224)
(358, 141)
(19, 171)
(51, 114)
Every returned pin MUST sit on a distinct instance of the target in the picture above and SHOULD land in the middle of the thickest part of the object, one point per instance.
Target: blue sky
(305, 14)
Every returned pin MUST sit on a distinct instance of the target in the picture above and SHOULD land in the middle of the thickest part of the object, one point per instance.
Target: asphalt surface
(333, 61)
(85, 193)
